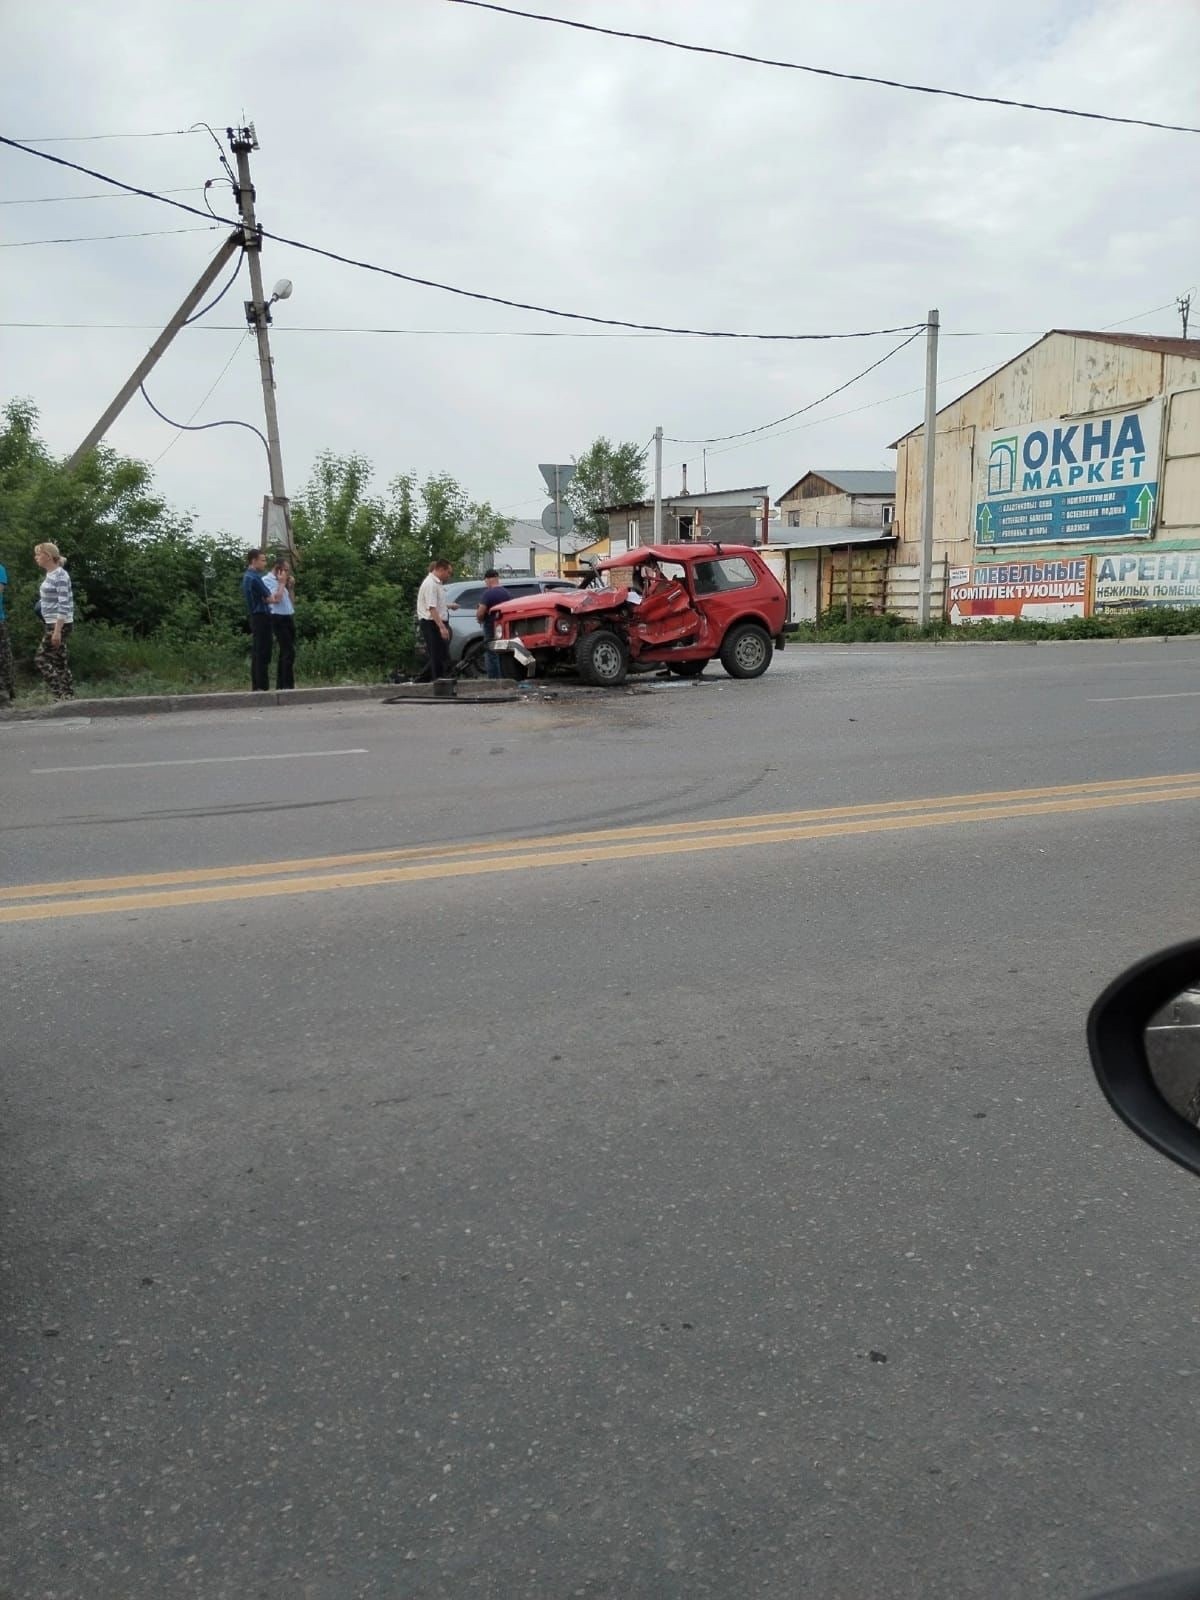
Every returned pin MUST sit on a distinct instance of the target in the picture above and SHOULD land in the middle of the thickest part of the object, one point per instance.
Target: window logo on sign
(1002, 466)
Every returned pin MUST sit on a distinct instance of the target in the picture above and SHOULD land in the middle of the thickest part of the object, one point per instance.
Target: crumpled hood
(559, 600)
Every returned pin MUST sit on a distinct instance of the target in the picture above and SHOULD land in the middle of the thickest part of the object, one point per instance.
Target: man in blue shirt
(259, 601)
(494, 595)
(7, 681)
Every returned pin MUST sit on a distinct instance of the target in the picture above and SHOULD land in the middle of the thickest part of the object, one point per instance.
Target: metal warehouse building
(1080, 457)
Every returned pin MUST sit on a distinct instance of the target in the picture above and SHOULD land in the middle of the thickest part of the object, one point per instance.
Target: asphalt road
(638, 1147)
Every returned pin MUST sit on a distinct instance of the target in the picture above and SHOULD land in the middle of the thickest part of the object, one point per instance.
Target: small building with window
(730, 516)
(839, 499)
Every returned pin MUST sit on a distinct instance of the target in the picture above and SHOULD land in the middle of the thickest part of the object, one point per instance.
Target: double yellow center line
(89, 897)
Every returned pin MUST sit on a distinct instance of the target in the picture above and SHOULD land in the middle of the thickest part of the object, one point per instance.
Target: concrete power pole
(658, 444)
(148, 362)
(276, 515)
(926, 567)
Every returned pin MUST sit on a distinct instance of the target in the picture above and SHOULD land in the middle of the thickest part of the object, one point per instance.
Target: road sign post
(558, 518)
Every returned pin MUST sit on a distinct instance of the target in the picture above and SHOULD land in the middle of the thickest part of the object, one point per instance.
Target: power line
(470, 294)
(464, 333)
(825, 72)
(92, 138)
(96, 238)
(812, 404)
(581, 316)
(208, 396)
(103, 194)
(200, 427)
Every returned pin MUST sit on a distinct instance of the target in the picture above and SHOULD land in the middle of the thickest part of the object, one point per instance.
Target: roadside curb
(158, 704)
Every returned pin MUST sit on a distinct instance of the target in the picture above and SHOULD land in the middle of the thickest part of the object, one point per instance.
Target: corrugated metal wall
(903, 590)
(1059, 376)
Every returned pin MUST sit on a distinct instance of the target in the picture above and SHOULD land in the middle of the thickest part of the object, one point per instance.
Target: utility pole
(150, 360)
(1184, 302)
(658, 444)
(558, 520)
(926, 567)
(276, 516)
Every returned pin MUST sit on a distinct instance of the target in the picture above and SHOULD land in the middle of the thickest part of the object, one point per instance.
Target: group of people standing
(433, 617)
(270, 600)
(56, 607)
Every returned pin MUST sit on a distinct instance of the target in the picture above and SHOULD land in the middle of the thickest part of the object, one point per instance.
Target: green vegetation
(606, 474)
(867, 627)
(158, 604)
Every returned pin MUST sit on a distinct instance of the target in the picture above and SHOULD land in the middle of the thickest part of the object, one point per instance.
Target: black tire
(471, 663)
(688, 669)
(746, 651)
(602, 658)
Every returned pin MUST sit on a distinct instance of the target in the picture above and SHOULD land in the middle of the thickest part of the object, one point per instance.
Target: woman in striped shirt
(56, 604)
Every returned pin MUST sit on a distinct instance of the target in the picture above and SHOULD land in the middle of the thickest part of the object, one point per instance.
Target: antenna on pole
(1184, 303)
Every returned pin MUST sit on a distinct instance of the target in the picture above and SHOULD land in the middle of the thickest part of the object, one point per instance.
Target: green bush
(867, 628)
(159, 606)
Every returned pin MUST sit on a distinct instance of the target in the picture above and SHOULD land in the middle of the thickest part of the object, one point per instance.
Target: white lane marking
(1176, 694)
(197, 761)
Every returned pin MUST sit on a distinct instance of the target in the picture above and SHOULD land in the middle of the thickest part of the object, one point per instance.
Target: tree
(605, 475)
(160, 601)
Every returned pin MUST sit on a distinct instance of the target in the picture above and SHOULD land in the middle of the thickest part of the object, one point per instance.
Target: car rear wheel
(602, 658)
(746, 652)
(688, 669)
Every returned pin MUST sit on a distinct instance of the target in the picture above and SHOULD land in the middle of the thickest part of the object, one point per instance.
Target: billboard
(1135, 583)
(1056, 482)
(1035, 591)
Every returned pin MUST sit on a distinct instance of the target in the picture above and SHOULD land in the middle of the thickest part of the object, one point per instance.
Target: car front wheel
(472, 664)
(746, 652)
(602, 659)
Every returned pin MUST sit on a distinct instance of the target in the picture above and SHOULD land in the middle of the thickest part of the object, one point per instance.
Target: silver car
(466, 634)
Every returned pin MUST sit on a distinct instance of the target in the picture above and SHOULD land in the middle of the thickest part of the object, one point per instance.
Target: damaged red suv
(677, 606)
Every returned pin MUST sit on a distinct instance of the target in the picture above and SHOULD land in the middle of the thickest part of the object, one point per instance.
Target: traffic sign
(557, 476)
(558, 519)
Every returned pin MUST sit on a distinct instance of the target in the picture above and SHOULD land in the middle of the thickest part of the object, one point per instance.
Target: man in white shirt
(433, 618)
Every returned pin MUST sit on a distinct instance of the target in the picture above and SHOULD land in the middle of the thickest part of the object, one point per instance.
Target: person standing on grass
(494, 595)
(259, 603)
(433, 618)
(56, 606)
(282, 585)
(7, 679)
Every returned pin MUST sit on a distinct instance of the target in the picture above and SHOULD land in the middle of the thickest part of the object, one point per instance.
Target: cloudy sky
(590, 174)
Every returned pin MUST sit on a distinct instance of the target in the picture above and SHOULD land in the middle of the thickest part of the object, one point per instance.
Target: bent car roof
(682, 550)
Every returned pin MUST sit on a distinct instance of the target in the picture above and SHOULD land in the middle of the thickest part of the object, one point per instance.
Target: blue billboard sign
(1060, 482)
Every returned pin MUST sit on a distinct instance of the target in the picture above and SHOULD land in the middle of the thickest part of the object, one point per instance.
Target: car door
(720, 583)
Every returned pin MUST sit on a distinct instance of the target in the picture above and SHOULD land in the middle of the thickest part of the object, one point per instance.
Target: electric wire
(98, 238)
(217, 298)
(200, 427)
(826, 72)
(473, 294)
(721, 438)
(102, 194)
(92, 138)
(208, 396)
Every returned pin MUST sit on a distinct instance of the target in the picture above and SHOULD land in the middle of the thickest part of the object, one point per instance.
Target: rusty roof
(1157, 344)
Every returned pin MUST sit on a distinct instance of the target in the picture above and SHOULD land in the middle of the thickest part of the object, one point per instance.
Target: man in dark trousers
(494, 595)
(433, 618)
(259, 601)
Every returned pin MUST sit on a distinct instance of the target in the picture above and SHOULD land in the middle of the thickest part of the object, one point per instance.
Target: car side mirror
(1144, 1039)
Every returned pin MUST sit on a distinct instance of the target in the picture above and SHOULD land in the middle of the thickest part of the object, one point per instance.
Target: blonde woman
(56, 604)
